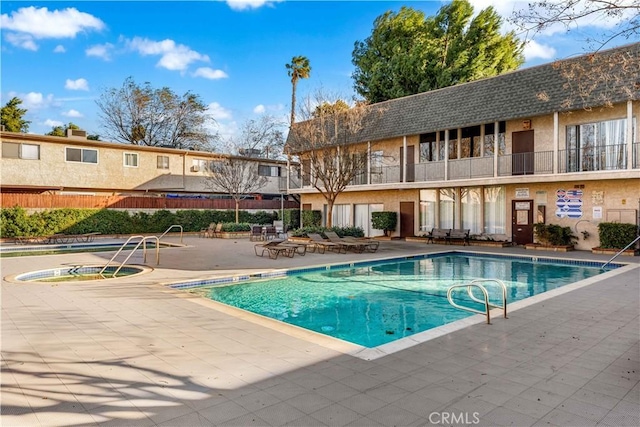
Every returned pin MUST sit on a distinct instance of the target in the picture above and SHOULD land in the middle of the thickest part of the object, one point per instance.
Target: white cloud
(533, 50)
(25, 41)
(100, 50)
(72, 113)
(33, 100)
(218, 112)
(59, 49)
(172, 56)
(28, 24)
(249, 4)
(79, 84)
(210, 73)
(259, 109)
(52, 123)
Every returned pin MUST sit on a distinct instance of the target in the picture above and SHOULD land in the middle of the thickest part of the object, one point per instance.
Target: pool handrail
(476, 283)
(173, 226)
(143, 242)
(620, 252)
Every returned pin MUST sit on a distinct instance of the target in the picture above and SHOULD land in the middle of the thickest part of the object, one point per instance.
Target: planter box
(490, 244)
(234, 234)
(603, 251)
(539, 247)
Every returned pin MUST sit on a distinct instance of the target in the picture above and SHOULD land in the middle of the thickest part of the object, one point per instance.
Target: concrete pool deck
(132, 352)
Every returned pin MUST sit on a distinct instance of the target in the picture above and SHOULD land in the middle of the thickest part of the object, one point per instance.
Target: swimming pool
(18, 251)
(376, 303)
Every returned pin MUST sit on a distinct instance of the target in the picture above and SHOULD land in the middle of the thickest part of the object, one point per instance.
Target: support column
(368, 162)
(288, 173)
(556, 142)
(446, 155)
(630, 140)
(496, 147)
(404, 159)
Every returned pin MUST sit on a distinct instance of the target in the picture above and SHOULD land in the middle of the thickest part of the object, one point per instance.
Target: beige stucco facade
(114, 168)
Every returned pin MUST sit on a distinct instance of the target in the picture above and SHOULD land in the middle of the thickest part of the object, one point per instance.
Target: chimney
(76, 133)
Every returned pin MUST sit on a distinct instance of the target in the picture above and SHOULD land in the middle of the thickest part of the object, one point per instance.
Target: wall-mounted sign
(523, 206)
(569, 204)
(597, 212)
(522, 193)
(597, 197)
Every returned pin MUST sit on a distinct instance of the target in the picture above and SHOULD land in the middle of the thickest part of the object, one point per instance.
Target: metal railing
(143, 242)
(477, 283)
(620, 252)
(173, 226)
(590, 159)
(539, 162)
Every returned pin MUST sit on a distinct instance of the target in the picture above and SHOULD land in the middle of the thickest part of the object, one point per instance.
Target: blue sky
(60, 56)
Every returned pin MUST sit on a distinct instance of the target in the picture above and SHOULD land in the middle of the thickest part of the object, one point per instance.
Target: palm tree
(299, 68)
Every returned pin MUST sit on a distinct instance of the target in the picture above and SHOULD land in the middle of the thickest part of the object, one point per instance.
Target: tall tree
(262, 137)
(322, 144)
(572, 14)
(299, 68)
(141, 115)
(13, 116)
(62, 130)
(408, 53)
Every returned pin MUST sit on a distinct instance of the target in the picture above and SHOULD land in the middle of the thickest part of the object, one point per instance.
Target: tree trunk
(330, 204)
(293, 103)
(237, 211)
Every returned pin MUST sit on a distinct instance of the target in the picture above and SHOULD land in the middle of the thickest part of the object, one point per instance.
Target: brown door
(411, 176)
(406, 219)
(522, 153)
(522, 222)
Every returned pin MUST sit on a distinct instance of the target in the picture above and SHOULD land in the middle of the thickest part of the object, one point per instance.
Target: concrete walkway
(131, 352)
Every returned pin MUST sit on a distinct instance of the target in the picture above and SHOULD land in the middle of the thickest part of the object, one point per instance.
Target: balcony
(603, 158)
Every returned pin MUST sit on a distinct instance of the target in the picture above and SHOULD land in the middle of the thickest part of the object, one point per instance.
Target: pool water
(19, 251)
(378, 304)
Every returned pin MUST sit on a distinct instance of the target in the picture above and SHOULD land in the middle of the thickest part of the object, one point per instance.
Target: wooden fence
(55, 201)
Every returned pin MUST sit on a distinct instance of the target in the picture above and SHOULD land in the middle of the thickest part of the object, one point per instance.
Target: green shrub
(311, 218)
(291, 219)
(614, 235)
(232, 227)
(553, 234)
(384, 220)
(340, 231)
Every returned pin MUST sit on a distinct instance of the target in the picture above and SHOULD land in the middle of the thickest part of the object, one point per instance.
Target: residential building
(555, 143)
(75, 165)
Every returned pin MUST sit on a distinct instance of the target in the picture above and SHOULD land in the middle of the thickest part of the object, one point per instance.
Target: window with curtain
(131, 160)
(448, 207)
(341, 216)
(471, 204)
(495, 210)
(489, 139)
(428, 205)
(597, 146)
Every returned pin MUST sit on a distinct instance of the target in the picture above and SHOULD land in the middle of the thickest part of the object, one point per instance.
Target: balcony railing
(610, 157)
(589, 159)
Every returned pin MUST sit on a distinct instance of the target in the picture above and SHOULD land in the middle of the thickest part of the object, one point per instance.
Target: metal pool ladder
(143, 242)
(620, 252)
(170, 228)
(477, 284)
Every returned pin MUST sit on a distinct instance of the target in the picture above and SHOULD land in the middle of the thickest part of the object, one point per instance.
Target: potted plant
(552, 237)
(384, 220)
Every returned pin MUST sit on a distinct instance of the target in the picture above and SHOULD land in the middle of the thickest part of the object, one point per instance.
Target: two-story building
(75, 165)
(556, 143)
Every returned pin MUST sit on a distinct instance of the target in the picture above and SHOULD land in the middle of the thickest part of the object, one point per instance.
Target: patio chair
(321, 245)
(207, 232)
(217, 232)
(270, 232)
(256, 233)
(354, 246)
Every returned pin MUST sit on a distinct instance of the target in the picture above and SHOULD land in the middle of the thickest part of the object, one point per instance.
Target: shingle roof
(519, 94)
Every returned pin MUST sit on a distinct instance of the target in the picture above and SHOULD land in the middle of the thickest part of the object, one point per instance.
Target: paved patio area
(132, 352)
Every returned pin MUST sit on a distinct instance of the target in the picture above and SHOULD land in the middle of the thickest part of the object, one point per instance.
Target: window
(495, 210)
(131, 160)
(199, 165)
(266, 170)
(471, 203)
(11, 150)
(597, 146)
(489, 139)
(81, 155)
(448, 199)
(428, 205)
(470, 142)
(428, 147)
(341, 216)
(163, 162)
(453, 144)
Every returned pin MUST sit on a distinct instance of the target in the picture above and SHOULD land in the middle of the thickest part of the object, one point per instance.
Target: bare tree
(237, 176)
(262, 137)
(571, 14)
(141, 115)
(324, 143)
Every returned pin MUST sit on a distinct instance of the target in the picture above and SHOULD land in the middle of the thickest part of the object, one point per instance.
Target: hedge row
(16, 222)
(614, 235)
(340, 231)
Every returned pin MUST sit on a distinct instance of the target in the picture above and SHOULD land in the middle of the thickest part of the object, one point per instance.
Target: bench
(459, 234)
(438, 233)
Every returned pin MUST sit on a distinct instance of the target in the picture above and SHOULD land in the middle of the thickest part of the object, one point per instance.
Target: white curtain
(495, 210)
(341, 216)
(471, 200)
(447, 208)
(428, 203)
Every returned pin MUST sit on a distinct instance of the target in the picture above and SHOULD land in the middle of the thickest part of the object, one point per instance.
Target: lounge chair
(354, 246)
(321, 245)
(276, 247)
(370, 245)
